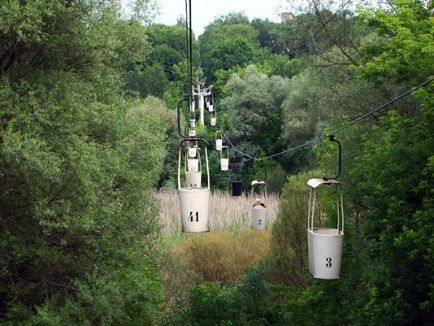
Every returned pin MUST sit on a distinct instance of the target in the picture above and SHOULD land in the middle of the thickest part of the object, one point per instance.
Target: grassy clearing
(226, 212)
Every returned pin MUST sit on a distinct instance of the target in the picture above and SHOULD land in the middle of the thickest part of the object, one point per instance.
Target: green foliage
(162, 71)
(211, 304)
(288, 246)
(320, 99)
(54, 34)
(147, 80)
(78, 163)
(305, 34)
(228, 42)
(248, 303)
(231, 52)
(398, 220)
(406, 48)
(324, 302)
(276, 176)
(253, 108)
(397, 192)
(169, 48)
(280, 65)
(317, 97)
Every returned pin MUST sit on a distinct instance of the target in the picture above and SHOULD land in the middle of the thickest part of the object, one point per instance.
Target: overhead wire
(189, 46)
(396, 99)
(347, 125)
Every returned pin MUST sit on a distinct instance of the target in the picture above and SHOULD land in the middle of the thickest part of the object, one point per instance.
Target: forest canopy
(88, 138)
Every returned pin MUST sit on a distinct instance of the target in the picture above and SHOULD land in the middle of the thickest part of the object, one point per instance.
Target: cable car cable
(189, 40)
(306, 144)
(191, 47)
(187, 43)
(396, 99)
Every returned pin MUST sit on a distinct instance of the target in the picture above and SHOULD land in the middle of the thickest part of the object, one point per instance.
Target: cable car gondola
(210, 103)
(259, 209)
(218, 140)
(325, 243)
(193, 197)
(213, 119)
(224, 158)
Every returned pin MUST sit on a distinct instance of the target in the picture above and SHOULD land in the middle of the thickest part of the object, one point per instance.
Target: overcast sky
(204, 11)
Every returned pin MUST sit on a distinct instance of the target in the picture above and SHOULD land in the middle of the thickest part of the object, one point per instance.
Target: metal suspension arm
(190, 139)
(333, 138)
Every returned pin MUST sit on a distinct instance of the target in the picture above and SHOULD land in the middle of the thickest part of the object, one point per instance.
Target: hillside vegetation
(89, 222)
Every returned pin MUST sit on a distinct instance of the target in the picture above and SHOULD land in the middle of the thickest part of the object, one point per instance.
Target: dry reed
(226, 212)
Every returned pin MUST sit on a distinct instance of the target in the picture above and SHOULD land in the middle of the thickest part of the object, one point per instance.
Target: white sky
(204, 11)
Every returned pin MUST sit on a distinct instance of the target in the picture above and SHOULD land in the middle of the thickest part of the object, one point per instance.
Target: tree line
(88, 131)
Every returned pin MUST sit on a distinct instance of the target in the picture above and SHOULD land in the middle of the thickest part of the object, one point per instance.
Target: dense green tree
(309, 33)
(162, 71)
(77, 165)
(253, 109)
(397, 278)
(327, 97)
(228, 42)
(169, 47)
(403, 50)
(231, 52)
(147, 80)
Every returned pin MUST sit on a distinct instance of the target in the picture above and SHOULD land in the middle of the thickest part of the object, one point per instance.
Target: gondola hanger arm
(332, 138)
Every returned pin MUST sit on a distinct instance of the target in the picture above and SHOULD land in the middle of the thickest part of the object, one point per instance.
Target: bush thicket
(77, 165)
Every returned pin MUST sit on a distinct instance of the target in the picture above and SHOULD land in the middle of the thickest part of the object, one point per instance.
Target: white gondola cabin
(211, 104)
(194, 198)
(218, 140)
(325, 243)
(259, 209)
(213, 119)
(224, 158)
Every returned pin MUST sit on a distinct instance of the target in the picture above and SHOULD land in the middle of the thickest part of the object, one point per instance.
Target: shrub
(247, 303)
(224, 256)
(286, 263)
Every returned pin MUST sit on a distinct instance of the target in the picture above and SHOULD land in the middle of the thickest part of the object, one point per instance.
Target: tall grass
(226, 212)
